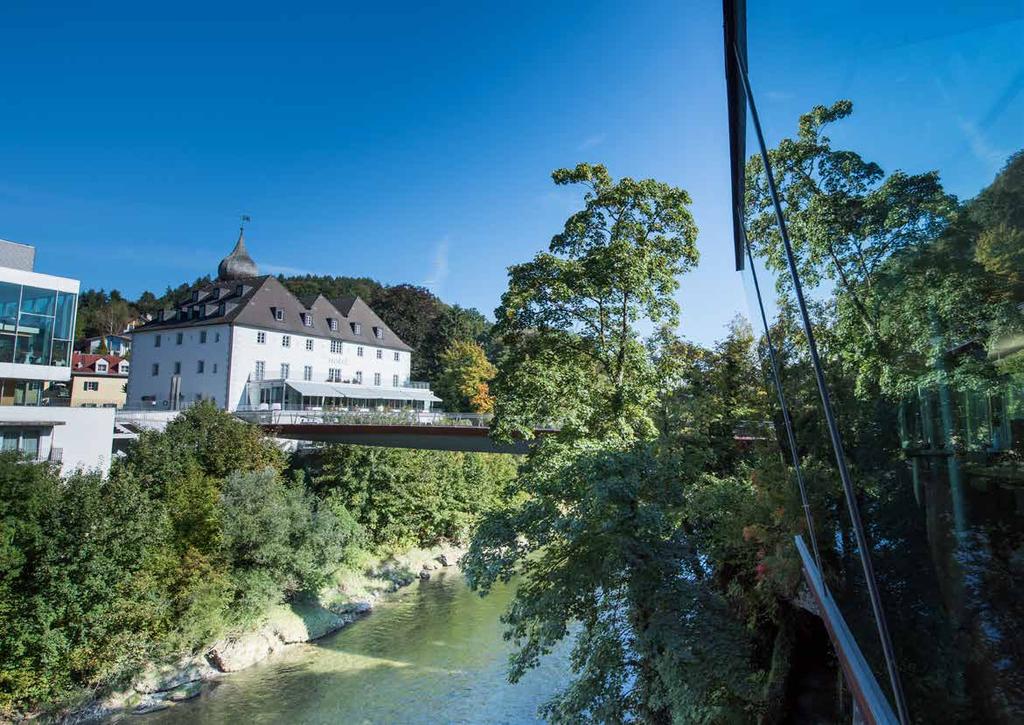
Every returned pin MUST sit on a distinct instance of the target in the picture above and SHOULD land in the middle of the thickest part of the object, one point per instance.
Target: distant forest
(417, 315)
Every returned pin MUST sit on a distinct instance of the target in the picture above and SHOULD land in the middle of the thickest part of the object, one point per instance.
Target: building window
(240, 290)
(307, 372)
(334, 375)
(177, 368)
(359, 376)
(376, 378)
(156, 369)
(101, 366)
(309, 344)
(202, 337)
(397, 356)
(279, 314)
(359, 351)
(216, 293)
(378, 332)
(261, 338)
(122, 367)
(215, 368)
(200, 366)
(394, 381)
(286, 340)
(23, 441)
(336, 346)
(260, 369)
(332, 323)
(285, 370)
(156, 341)
(307, 319)
(216, 335)
(380, 353)
(179, 338)
(92, 385)
(195, 296)
(357, 328)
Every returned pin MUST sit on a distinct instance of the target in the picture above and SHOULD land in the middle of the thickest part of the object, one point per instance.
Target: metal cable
(782, 401)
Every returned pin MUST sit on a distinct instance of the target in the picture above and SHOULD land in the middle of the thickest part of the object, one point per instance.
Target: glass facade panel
(63, 328)
(10, 298)
(38, 301)
(907, 235)
(35, 338)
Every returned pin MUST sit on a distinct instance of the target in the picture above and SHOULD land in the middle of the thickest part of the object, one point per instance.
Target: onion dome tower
(238, 264)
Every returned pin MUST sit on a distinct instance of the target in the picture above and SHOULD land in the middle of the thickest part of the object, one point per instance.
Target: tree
(845, 216)
(596, 531)
(467, 372)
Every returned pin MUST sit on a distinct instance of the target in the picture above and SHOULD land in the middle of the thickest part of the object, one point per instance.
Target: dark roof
(252, 302)
(84, 364)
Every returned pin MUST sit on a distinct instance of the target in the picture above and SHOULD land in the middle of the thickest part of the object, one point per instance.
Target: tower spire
(238, 264)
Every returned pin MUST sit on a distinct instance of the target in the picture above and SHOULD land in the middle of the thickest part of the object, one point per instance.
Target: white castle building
(245, 342)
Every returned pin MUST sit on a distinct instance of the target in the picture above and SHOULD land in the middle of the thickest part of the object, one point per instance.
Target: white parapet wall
(83, 436)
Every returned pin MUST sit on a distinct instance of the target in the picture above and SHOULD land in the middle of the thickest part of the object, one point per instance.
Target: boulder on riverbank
(237, 653)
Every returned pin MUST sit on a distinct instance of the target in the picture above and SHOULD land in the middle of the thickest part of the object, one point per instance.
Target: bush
(408, 497)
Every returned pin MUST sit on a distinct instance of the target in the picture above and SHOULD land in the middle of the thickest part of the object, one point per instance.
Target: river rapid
(431, 653)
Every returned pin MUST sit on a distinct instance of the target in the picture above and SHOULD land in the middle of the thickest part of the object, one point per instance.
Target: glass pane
(35, 334)
(6, 348)
(61, 353)
(897, 157)
(30, 443)
(65, 315)
(38, 301)
(10, 294)
(10, 440)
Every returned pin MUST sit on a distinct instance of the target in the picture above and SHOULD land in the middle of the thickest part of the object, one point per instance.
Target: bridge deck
(470, 439)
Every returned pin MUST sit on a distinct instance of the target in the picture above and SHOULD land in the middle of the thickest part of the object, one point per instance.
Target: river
(431, 653)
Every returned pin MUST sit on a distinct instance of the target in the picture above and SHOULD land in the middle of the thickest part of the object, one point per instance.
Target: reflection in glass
(61, 353)
(37, 300)
(10, 295)
(35, 334)
(62, 329)
(6, 348)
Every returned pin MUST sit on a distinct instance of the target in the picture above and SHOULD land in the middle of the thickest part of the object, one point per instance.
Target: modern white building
(245, 342)
(37, 323)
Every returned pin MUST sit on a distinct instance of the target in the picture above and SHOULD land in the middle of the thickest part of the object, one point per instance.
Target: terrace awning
(360, 392)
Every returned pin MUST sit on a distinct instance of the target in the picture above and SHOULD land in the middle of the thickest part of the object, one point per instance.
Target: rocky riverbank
(163, 685)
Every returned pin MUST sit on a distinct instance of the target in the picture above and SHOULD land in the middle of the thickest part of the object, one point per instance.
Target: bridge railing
(297, 416)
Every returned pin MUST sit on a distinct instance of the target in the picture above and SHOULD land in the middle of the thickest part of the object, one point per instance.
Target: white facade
(158, 356)
(230, 358)
(76, 438)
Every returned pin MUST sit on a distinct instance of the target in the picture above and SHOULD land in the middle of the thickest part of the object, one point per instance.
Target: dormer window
(333, 324)
(101, 366)
(216, 293)
(195, 313)
(307, 319)
(160, 315)
(122, 367)
(357, 329)
(195, 295)
(378, 332)
(278, 314)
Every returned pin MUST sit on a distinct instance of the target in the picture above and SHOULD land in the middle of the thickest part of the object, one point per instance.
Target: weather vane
(245, 218)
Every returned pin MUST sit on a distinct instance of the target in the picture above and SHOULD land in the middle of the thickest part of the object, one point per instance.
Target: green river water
(432, 653)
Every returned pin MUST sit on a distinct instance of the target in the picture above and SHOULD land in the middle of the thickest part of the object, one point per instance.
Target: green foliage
(463, 385)
(195, 532)
(411, 498)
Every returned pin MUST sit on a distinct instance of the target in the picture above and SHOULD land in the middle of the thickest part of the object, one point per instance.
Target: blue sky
(415, 144)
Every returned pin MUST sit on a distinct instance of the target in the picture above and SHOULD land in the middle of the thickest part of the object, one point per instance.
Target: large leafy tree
(846, 217)
(464, 382)
(596, 531)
